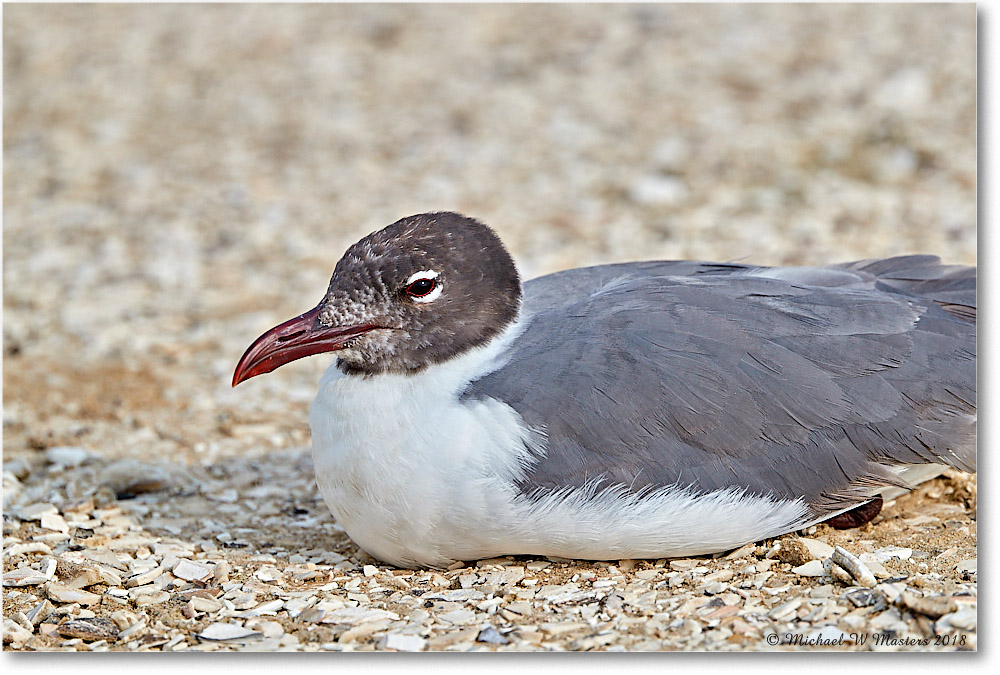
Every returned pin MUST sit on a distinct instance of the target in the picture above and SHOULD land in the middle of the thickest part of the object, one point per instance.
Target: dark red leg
(857, 516)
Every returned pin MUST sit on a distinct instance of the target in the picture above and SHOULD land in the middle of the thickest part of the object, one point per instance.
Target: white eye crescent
(423, 286)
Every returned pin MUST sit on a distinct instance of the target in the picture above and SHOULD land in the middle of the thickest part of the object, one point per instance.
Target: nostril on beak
(286, 338)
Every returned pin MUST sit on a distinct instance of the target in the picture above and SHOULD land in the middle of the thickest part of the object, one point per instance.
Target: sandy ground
(177, 179)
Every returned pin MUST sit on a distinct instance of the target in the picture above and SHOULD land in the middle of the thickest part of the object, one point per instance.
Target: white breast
(410, 472)
(417, 476)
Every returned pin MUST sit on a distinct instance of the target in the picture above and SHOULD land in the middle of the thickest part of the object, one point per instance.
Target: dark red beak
(292, 340)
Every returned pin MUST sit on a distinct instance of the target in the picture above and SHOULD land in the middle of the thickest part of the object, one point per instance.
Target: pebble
(268, 573)
(831, 635)
(967, 566)
(884, 555)
(16, 634)
(271, 607)
(357, 615)
(854, 567)
(742, 552)
(364, 630)
(193, 570)
(865, 597)
(785, 610)
(934, 606)
(96, 628)
(36, 511)
(658, 190)
(25, 549)
(963, 619)
(203, 604)
(683, 565)
(25, 576)
(402, 642)
(813, 568)
(458, 617)
(154, 598)
(61, 593)
(66, 455)
(225, 632)
(40, 612)
(490, 635)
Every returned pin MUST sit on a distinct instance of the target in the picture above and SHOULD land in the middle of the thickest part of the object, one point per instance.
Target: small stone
(742, 552)
(62, 593)
(14, 633)
(271, 607)
(123, 618)
(785, 610)
(537, 565)
(658, 190)
(934, 607)
(964, 619)
(800, 550)
(225, 632)
(133, 630)
(144, 578)
(714, 588)
(40, 612)
(109, 577)
(25, 549)
(268, 573)
(222, 570)
(813, 568)
(363, 630)
(967, 566)
(854, 567)
(891, 592)
(96, 628)
(36, 511)
(626, 565)
(877, 569)
(458, 617)
(829, 636)
(721, 575)
(559, 628)
(227, 496)
(864, 598)
(66, 455)
(155, 598)
(193, 570)
(490, 635)
(270, 629)
(886, 554)
(357, 615)
(24, 576)
(203, 604)
(369, 570)
(402, 642)
(683, 565)
(84, 576)
(312, 615)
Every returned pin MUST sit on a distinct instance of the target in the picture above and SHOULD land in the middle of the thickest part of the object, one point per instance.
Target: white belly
(410, 472)
(416, 476)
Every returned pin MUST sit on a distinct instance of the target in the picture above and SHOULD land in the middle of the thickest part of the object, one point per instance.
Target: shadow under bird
(638, 410)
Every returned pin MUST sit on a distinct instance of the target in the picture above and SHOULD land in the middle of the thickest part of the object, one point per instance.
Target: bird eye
(421, 288)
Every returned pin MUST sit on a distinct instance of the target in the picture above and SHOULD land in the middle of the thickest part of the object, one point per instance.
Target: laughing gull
(636, 410)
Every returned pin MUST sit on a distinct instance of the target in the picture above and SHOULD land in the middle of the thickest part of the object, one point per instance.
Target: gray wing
(794, 382)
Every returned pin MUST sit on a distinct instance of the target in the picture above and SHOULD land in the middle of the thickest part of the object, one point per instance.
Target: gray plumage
(793, 382)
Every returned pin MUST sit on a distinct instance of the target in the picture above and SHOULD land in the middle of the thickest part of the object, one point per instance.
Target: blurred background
(178, 179)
